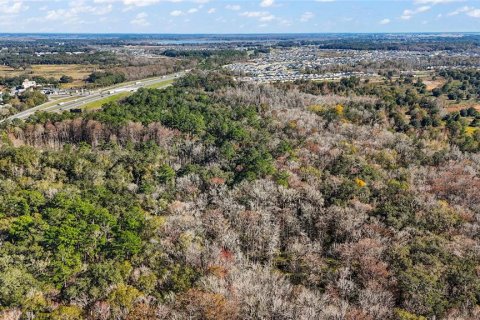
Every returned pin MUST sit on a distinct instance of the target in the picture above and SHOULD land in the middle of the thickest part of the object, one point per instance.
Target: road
(96, 95)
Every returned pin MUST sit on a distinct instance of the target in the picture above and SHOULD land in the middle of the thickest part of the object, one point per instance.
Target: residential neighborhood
(313, 63)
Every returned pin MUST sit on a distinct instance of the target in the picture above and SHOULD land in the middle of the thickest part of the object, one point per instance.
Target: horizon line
(224, 34)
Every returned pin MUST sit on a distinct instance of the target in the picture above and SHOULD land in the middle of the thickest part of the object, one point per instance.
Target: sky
(248, 16)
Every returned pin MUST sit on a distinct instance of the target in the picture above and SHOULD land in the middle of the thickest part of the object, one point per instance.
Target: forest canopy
(214, 199)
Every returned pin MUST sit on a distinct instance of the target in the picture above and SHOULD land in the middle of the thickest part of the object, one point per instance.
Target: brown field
(458, 107)
(433, 84)
(76, 71)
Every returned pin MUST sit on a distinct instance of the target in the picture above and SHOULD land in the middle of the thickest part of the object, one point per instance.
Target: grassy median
(99, 103)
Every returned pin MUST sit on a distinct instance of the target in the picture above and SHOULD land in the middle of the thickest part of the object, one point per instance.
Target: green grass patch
(160, 84)
(99, 103)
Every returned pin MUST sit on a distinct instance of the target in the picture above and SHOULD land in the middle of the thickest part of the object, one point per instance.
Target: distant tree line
(22, 60)
(209, 59)
(102, 79)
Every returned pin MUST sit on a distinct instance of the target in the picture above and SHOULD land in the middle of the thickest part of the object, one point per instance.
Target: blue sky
(248, 16)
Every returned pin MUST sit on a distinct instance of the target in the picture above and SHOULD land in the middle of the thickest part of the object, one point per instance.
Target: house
(28, 84)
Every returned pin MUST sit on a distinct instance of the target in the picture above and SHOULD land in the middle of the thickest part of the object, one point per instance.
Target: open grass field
(160, 84)
(433, 84)
(454, 106)
(99, 103)
(77, 71)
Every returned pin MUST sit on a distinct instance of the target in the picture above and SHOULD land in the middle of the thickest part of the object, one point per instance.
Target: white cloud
(285, 22)
(422, 9)
(424, 5)
(267, 18)
(262, 16)
(211, 10)
(100, 11)
(306, 16)
(176, 13)
(460, 10)
(469, 11)
(144, 3)
(140, 20)
(436, 1)
(267, 3)
(139, 3)
(12, 6)
(56, 14)
(253, 14)
(234, 7)
(385, 21)
(408, 13)
(72, 14)
(475, 13)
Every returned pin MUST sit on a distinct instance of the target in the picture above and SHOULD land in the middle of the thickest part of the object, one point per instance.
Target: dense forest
(23, 60)
(214, 199)
(402, 42)
(208, 59)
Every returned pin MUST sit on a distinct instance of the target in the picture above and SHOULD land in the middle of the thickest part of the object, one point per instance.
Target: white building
(28, 84)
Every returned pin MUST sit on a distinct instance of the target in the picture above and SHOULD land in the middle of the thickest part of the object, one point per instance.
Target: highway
(100, 94)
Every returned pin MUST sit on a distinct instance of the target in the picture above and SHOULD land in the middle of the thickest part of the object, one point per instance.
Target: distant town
(312, 63)
(41, 71)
